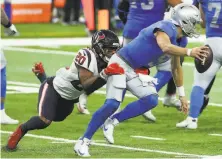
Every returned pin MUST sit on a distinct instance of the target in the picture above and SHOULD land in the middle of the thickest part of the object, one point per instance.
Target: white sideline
(216, 135)
(148, 138)
(66, 41)
(55, 52)
(96, 92)
(108, 145)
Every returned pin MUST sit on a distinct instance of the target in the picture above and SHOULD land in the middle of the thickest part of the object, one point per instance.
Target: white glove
(11, 30)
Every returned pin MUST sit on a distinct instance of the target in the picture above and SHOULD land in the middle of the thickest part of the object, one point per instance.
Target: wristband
(8, 25)
(181, 91)
(189, 52)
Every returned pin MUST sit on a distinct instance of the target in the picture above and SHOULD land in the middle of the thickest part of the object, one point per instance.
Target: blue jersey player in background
(153, 43)
(211, 13)
(139, 15)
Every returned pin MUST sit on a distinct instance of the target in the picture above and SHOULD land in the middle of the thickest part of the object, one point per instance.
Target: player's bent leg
(5, 119)
(132, 110)
(201, 81)
(82, 105)
(98, 118)
(33, 123)
(206, 95)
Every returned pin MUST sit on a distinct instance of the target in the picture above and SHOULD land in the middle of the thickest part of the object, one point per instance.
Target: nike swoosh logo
(81, 153)
(105, 129)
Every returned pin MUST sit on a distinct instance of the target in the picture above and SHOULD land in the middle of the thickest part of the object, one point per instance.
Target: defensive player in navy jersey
(137, 15)
(211, 12)
(157, 42)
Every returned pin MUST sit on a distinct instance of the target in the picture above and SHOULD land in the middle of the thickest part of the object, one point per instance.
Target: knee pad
(151, 100)
(163, 78)
(112, 103)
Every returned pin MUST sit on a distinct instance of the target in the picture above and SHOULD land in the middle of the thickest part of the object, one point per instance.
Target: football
(202, 66)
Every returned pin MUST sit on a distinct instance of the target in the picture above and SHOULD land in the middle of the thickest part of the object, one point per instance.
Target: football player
(58, 94)
(211, 12)
(137, 15)
(10, 30)
(157, 42)
(40, 73)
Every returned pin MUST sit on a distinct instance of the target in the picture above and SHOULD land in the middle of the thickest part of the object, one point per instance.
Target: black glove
(123, 9)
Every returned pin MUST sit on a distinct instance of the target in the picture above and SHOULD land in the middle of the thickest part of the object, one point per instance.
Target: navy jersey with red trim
(143, 13)
(213, 16)
(144, 50)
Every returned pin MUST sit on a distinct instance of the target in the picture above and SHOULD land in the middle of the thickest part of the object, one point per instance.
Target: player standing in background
(211, 13)
(137, 15)
(157, 42)
(10, 30)
(57, 95)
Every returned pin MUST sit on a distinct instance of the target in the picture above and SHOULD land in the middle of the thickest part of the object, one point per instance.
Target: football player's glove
(112, 69)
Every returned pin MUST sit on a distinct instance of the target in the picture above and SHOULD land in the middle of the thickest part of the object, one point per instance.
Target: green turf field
(58, 140)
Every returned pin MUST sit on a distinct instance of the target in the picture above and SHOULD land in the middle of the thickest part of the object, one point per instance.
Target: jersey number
(217, 6)
(145, 6)
(80, 59)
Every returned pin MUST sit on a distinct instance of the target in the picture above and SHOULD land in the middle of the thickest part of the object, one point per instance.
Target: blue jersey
(144, 50)
(213, 17)
(143, 13)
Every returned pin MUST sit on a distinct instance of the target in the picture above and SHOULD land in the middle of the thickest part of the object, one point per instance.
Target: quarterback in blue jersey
(141, 14)
(156, 42)
(211, 13)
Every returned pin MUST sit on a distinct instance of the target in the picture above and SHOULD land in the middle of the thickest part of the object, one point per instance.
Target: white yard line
(35, 90)
(216, 135)
(66, 41)
(148, 138)
(111, 146)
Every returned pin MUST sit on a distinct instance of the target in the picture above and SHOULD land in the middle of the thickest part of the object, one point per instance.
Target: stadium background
(44, 36)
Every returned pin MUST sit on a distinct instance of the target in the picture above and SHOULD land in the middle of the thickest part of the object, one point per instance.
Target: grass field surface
(58, 139)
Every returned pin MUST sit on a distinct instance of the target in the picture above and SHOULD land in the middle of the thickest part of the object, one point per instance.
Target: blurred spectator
(71, 9)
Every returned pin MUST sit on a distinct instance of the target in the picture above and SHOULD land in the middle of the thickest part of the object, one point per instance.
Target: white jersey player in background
(10, 30)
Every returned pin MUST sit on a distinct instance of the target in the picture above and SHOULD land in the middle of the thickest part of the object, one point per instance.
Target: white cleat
(172, 101)
(149, 116)
(108, 128)
(5, 119)
(81, 148)
(189, 123)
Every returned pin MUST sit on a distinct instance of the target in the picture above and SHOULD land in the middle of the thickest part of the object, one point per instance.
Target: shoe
(38, 68)
(108, 128)
(15, 138)
(205, 103)
(5, 119)
(81, 148)
(172, 101)
(189, 123)
(149, 116)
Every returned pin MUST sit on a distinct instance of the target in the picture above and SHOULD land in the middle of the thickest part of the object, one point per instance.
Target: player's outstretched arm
(90, 82)
(167, 47)
(9, 28)
(177, 73)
